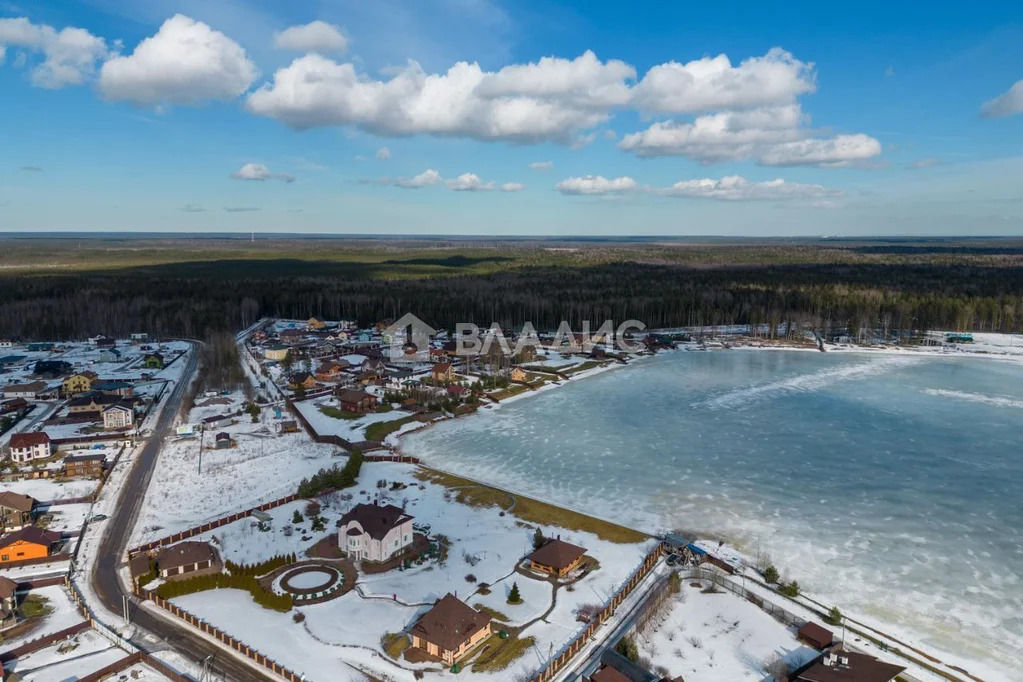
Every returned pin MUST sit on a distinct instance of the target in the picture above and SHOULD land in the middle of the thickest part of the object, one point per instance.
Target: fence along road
(182, 638)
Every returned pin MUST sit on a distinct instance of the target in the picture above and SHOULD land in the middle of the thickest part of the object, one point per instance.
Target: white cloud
(186, 63)
(836, 152)
(257, 171)
(712, 83)
(69, 55)
(316, 36)
(772, 136)
(541, 166)
(512, 187)
(469, 182)
(383, 154)
(595, 185)
(425, 179)
(550, 100)
(928, 162)
(737, 188)
(1008, 103)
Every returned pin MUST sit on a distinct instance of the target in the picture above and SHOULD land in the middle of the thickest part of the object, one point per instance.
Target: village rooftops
(557, 554)
(350, 395)
(16, 501)
(839, 665)
(93, 399)
(32, 534)
(608, 674)
(185, 554)
(450, 623)
(30, 387)
(376, 520)
(29, 440)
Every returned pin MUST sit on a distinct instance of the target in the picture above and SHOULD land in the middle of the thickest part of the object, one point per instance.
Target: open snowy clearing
(47, 489)
(64, 614)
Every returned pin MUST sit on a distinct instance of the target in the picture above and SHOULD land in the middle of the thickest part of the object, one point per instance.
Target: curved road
(182, 638)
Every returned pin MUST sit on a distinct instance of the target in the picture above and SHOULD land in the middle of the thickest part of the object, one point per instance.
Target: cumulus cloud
(595, 185)
(540, 166)
(383, 154)
(316, 36)
(836, 152)
(425, 179)
(186, 62)
(1008, 103)
(257, 171)
(712, 83)
(549, 100)
(69, 55)
(469, 182)
(512, 187)
(738, 188)
(772, 136)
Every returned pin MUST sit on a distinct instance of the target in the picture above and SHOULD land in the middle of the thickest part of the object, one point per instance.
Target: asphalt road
(179, 637)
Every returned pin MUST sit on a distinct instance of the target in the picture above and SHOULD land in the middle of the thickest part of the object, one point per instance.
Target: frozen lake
(890, 485)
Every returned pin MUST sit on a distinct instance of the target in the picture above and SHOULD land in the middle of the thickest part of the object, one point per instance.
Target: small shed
(223, 440)
(814, 635)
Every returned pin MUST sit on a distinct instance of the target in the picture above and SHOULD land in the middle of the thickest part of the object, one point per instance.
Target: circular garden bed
(310, 583)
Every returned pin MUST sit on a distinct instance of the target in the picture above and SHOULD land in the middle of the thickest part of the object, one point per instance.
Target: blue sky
(482, 117)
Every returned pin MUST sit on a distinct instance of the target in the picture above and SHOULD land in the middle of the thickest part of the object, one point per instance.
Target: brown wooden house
(450, 630)
(356, 401)
(556, 557)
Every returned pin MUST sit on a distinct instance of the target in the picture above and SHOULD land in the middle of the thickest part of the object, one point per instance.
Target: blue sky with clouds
(483, 117)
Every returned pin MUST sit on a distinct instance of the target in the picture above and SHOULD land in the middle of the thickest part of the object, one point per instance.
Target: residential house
(153, 360)
(109, 355)
(140, 337)
(31, 391)
(450, 630)
(356, 401)
(442, 372)
(84, 466)
(6, 343)
(12, 360)
(304, 380)
(15, 511)
(16, 406)
(348, 324)
(367, 378)
(526, 355)
(331, 370)
(841, 665)
(26, 447)
(28, 543)
(518, 374)
(104, 342)
(120, 415)
(371, 532)
(185, 558)
(79, 383)
(51, 369)
(556, 558)
(275, 352)
(91, 403)
(8, 603)
(223, 440)
(375, 365)
(292, 337)
(397, 379)
(121, 389)
(315, 324)
(457, 391)
(40, 347)
(607, 674)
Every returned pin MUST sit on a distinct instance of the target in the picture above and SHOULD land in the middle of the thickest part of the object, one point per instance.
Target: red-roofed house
(26, 447)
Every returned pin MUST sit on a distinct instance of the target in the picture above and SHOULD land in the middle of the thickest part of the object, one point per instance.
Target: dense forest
(906, 286)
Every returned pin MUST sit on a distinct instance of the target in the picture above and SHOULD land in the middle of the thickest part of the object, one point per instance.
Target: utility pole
(202, 432)
(124, 606)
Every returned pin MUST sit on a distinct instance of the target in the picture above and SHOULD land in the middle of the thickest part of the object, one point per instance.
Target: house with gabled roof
(15, 511)
(450, 629)
(26, 447)
(372, 532)
(556, 557)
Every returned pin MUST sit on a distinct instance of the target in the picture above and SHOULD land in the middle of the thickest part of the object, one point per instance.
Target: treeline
(326, 480)
(217, 581)
(938, 294)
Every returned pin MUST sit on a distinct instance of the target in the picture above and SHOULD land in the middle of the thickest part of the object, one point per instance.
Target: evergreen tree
(513, 596)
(538, 538)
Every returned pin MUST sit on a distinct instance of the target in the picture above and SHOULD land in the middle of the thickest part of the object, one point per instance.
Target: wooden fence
(222, 637)
(208, 526)
(568, 652)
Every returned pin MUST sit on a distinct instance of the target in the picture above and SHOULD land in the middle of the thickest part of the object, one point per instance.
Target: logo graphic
(409, 339)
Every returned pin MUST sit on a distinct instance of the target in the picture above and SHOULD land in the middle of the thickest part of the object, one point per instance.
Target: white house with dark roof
(371, 532)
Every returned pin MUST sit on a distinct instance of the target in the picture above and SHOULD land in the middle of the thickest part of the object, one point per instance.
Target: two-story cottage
(26, 447)
(15, 511)
(31, 390)
(28, 543)
(79, 383)
(356, 401)
(120, 415)
(371, 532)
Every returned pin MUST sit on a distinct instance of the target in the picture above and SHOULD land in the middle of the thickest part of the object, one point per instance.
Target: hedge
(268, 600)
(261, 568)
(333, 478)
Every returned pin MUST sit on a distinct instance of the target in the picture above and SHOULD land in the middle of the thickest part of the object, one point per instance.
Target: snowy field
(64, 615)
(262, 467)
(243, 543)
(353, 430)
(711, 637)
(47, 490)
(70, 659)
(482, 543)
(68, 518)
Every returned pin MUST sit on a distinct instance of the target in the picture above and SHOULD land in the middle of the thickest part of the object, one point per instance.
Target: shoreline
(889, 630)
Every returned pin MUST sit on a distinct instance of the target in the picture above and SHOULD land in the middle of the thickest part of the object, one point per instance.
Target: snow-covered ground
(719, 636)
(243, 543)
(353, 430)
(70, 659)
(262, 466)
(47, 490)
(64, 614)
(68, 518)
(483, 542)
